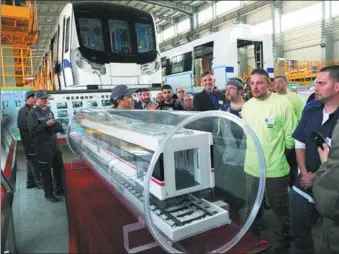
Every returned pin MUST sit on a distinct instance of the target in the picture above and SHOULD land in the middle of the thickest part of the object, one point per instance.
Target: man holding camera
(326, 193)
(43, 128)
(317, 120)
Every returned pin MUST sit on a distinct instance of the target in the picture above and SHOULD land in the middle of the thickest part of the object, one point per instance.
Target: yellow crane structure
(302, 73)
(19, 32)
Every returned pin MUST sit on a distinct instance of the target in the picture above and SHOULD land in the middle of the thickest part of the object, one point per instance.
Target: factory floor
(42, 227)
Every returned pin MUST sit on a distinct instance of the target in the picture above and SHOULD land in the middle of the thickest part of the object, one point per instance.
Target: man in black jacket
(33, 174)
(43, 128)
(207, 99)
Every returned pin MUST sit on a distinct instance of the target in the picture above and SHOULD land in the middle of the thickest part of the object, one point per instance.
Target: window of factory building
(205, 15)
(301, 17)
(335, 8)
(184, 26)
(168, 33)
(225, 6)
(265, 27)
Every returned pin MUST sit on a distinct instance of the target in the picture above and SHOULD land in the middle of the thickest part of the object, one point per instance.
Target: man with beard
(322, 118)
(297, 102)
(230, 142)
(169, 102)
(272, 119)
(144, 99)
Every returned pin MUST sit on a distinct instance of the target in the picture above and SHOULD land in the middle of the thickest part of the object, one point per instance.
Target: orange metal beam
(15, 12)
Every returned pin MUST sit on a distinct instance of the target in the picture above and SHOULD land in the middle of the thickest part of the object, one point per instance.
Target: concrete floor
(41, 226)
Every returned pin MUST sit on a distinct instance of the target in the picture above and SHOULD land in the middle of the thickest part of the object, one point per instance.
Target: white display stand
(132, 228)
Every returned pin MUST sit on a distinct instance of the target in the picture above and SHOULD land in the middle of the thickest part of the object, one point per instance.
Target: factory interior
(114, 136)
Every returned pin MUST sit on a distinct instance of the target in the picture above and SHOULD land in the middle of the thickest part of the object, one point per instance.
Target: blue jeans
(303, 217)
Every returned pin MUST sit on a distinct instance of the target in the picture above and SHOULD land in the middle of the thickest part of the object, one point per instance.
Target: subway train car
(232, 52)
(100, 44)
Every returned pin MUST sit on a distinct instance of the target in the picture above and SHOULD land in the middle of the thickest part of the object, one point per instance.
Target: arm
(325, 187)
(301, 106)
(289, 124)
(300, 153)
(34, 126)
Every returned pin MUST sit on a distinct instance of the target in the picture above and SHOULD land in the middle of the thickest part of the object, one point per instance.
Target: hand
(51, 122)
(306, 180)
(152, 106)
(323, 153)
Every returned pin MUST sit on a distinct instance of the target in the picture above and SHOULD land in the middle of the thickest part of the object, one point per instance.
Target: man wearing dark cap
(122, 97)
(33, 174)
(43, 128)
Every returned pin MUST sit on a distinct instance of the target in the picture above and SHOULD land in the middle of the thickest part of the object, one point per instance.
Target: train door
(55, 61)
(59, 65)
(203, 61)
(66, 74)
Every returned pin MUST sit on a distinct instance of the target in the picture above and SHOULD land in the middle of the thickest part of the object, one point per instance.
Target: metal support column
(327, 28)
(193, 24)
(175, 28)
(278, 46)
(214, 16)
(241, 19)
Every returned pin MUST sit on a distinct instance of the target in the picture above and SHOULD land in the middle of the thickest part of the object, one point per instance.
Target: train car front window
(145, 37)
(91, 33)
(119, 36)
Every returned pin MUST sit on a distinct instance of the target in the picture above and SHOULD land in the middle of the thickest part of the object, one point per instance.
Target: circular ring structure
(165, 243)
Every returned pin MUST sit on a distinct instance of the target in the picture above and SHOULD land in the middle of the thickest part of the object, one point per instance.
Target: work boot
(31, 185)
(52, 198)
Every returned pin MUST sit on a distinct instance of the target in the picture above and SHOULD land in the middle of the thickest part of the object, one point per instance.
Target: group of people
(38, 128)
(301, 175)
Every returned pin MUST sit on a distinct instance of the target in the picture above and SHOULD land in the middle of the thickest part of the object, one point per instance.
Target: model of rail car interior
(119, 145)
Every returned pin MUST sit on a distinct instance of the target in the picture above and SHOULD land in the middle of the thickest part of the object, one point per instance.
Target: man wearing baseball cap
(230, 144)
(43, 128)
(122, 97)
(33, 174)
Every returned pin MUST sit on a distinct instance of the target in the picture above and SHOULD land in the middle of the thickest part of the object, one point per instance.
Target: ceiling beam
(163, 17)
(184, 8)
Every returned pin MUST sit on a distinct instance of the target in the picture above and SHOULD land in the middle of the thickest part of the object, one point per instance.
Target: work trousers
(277, 195)
(33, 172)
(303, 217)
(292, 162)
(52, 158)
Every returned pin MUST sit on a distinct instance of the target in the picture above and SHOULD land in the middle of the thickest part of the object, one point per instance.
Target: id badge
(270, 121)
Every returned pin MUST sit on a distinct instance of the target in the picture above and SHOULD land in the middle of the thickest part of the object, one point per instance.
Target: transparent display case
(172, 168)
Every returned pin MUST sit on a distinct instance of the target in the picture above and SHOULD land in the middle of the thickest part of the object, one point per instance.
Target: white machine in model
(102, 44)
(120, 148)
(227, 53)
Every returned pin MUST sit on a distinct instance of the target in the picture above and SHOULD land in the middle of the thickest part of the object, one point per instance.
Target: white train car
(101, 44)
(226, 53)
